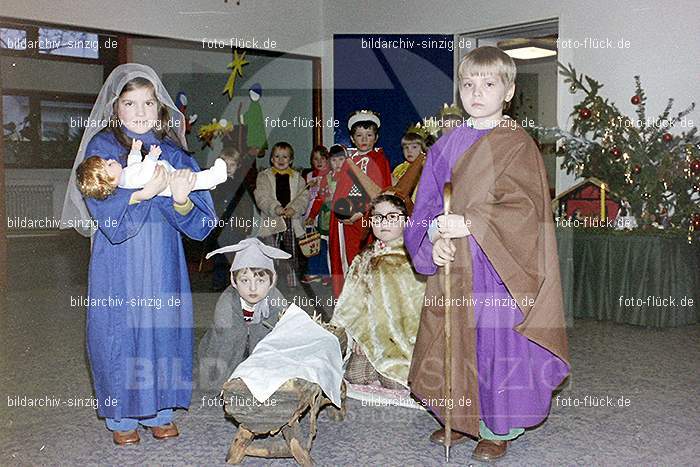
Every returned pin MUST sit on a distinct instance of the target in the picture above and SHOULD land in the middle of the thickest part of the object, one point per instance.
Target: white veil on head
(75, 213)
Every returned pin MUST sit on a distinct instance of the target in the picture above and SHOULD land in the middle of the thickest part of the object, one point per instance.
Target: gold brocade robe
(380, 307)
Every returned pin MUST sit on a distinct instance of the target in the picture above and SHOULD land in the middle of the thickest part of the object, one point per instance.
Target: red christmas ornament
(695, 221)
(616, 152)
(636, 169)
(636, 100)
(695, 166)
(667, 137)
(584, 113)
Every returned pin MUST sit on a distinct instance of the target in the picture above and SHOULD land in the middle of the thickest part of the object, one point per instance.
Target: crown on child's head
(432, 128)
(364, 116)
(419, 130)
(452, 110)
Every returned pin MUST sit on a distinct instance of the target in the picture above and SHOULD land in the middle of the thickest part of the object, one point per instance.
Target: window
(15, 39)
(42, 132)
(68, 43)
(16, 129)
(43, 119)
(62, 127)
(56, 43)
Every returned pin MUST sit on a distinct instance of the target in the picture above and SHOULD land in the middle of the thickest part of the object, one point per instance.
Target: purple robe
(442, 155)
(516, 376)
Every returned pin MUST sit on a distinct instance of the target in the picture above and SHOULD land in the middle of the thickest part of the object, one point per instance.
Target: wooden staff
(447, 197)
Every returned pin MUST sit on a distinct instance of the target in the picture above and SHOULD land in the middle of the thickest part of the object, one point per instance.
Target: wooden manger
(271, 429)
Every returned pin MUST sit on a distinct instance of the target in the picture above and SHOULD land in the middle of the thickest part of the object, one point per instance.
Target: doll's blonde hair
(488, 60)
(93, 179)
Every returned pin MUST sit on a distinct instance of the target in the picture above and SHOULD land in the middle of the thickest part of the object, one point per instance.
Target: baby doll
(245, 313)
(381, 300)
(98, 178)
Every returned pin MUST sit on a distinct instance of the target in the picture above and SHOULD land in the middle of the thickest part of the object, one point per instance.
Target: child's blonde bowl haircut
(93, 180)
(412, 137)
(488, 60)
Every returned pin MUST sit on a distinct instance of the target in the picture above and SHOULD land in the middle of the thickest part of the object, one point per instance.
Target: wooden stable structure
(585, 197)
(271, 429)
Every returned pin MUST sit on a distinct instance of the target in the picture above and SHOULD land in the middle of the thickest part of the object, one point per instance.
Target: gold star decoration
(236, 67)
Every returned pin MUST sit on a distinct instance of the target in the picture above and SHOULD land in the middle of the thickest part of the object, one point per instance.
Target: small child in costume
(282, 196)
(414, 147)
(245, 313)
(320, 211)
(382, 297)
(381, 300)
(351, 201)
(98, 178)
(317, 266)
(509, 342)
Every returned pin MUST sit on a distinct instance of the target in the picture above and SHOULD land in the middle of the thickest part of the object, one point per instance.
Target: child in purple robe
(508, 338)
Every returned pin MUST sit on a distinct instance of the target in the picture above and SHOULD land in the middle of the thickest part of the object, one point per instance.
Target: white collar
(261, 310)
(246, 306)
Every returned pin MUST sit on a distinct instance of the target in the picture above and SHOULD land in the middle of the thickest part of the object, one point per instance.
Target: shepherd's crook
(447, 197)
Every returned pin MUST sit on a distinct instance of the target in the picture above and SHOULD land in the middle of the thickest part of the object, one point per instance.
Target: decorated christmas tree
(657, 172)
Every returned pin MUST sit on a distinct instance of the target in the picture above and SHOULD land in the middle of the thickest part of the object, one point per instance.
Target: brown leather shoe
(122, 438)
(488, 450)
(438, 437)
(165, 431)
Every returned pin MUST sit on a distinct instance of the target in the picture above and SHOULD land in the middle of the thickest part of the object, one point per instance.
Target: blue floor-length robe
(139, 321)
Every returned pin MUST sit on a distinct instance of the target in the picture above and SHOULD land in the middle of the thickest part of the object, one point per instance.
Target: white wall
(663, 41)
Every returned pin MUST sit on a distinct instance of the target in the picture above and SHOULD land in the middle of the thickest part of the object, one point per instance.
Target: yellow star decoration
(236, 69)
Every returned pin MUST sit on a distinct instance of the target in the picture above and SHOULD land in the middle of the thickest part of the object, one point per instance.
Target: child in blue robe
(139, 320)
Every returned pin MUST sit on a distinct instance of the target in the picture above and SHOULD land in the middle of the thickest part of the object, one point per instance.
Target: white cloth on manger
(297, 347)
